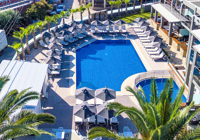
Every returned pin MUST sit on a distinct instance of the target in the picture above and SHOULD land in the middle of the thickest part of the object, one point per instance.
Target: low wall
(176, 44)
(164, 34)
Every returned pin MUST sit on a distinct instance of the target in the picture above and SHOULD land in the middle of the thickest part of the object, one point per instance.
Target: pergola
(168, 15)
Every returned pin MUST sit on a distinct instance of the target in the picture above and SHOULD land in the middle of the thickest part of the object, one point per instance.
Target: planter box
(154, 24)
(164, 34)
(176, 44)
(183, 51)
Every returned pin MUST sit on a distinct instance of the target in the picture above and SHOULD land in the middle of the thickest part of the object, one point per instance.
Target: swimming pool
(160, 86)
(106, 63)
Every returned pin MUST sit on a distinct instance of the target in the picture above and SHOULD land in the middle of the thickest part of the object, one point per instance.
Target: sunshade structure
(84, 94)
(104, 112)
(53, 60)
(120, 22)
(46, 34)
(139, 19)
(83, 25)
(55, 30)
(143, 23)
(66, 26)
(74, 28)
(96, 23)
(84, 110)
(65, 32)
(53, 53)
(105, 94)
(56, 39)
(55, 46)
(107, 22)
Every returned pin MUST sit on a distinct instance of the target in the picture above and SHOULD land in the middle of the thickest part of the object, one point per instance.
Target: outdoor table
(128, 134)
(60, 135)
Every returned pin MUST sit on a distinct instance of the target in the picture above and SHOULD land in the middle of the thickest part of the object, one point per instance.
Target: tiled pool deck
(62, 88)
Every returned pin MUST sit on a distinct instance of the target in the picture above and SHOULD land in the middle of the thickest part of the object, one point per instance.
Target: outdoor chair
(53, 72)
(43, 45)
(93, 29)
(156, 52)
(144, 34)
(124, 28)
(104, 29)
(64, 43)
(47, 40)
(157, 57)
(111, 29)
(77, 36)
(79, 33)
(114, 123)
(54, 67)
(116, 29)
(99, 29)
(84, 32)
(152, 49)
(68, 39)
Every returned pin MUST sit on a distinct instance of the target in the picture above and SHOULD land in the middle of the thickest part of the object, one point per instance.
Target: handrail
(152, 74)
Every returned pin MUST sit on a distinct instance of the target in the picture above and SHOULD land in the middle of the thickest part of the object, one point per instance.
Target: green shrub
(38, 10)
(9, 17)
(142, 10)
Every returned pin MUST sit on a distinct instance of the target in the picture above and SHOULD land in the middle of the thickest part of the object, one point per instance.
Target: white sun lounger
(84, 32)
(43, 44)
(148, 40)
(53, 72)
(99, 29)
(68, 39)
(47, 40)
(64, 43)
(93, 29)
(155, 53)
(111, 29)
(145, 34)
(104, 30)
(152, 44)
(152, 49)
(139, 24)
(77, 36)
(79, 33)
(117, 29)
(124, 28)
(141, 30)
(156, 57)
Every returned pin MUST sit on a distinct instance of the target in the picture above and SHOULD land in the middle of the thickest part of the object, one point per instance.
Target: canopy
(84, 110)
(46, 34)
(105, 94)
(73, 23)
(84, 94)
(53, 60)
(107, 22)
(54, 52)
(139, 19)
(96, 23)
(104, 112)
(120, 22)
(82, 25)
(56, 39)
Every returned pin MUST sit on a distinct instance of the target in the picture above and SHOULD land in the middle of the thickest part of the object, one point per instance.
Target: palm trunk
(56, 25)
(111, 11)
(63, 20)
(49, 27)
(23, 51)
(118, 10)
(126, 9)
(35, 43)
(72, 17)
(88, 16)
(133, 6)
(18, 56)
(27, 46)
(41, 34)
(81, 17)
(141, 4)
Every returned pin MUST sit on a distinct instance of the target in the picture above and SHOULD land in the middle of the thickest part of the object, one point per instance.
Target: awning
(197, 48)
(167, 14)
(196, 33)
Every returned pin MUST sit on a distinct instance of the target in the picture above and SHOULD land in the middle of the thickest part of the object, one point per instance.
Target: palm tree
(134, 6)
(49, 20)
(157, 119)
(88, 9)
(118, 3)
(112, 3)
(25, 122)
(27, 32)
(81, 10)
(41, 25)
(126, 2)
(141, 4)
(72, 11)
(33, 28)
(16, 46)
(20, 35)
(64, 14)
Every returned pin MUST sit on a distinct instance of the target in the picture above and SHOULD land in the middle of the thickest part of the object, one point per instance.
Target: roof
(167, 14)
(23, 75)
(196, 33)
(197, 48)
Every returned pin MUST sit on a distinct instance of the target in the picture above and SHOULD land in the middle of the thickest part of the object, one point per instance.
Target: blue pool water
(160, 86)
(106, 63)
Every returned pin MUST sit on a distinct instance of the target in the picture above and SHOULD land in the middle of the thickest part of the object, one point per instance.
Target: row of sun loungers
(144, 34)
(111, 29)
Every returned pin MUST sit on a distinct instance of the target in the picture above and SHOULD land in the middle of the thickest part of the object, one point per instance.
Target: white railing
(152, 74)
